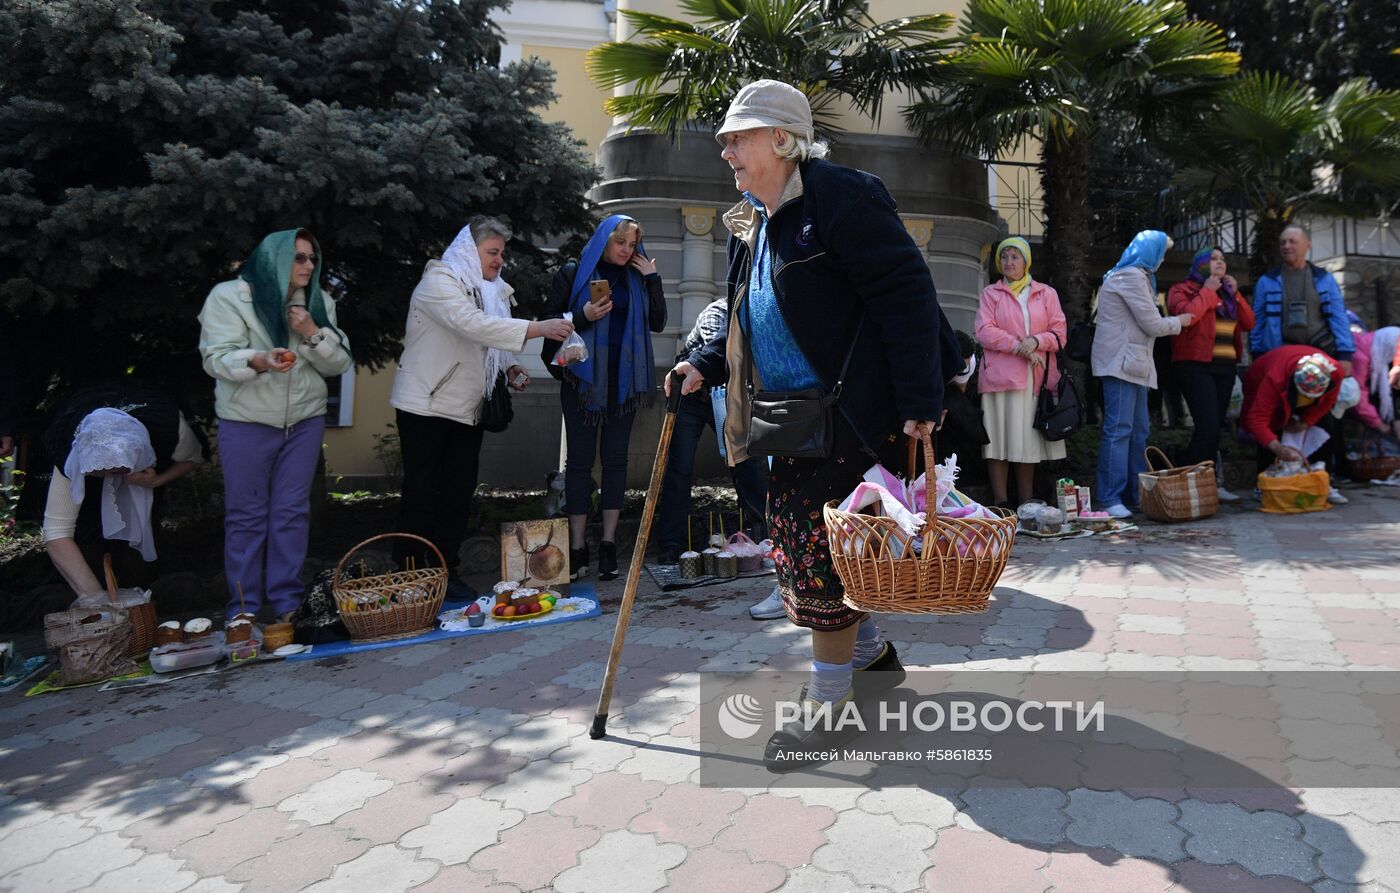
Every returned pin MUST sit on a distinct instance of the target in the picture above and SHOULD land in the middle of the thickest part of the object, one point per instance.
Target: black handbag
(1058, 413)
(318, 621)
(795, 424)
(496, 411)
(1080, 346)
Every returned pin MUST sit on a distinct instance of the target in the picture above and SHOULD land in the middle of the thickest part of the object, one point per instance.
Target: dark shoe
(795, 745)
(668, 555)
(882, 673)
(461, 591)
(607, 560)
(578, 562)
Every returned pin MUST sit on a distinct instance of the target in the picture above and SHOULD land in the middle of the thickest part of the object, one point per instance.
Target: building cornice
(567, 24)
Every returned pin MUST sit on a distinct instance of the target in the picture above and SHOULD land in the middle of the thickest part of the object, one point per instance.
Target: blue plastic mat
(575, 590)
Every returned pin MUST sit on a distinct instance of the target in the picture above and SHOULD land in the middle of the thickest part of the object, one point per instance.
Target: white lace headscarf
(1382, 352)
(464, 262)
(110, 438)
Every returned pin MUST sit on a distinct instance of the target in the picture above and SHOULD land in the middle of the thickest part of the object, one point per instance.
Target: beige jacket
(442, 371)
(230, 333)
(1126, 325)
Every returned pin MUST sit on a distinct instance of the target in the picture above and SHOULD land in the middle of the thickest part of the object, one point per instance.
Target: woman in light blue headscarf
(614, 297)
(1128, 322)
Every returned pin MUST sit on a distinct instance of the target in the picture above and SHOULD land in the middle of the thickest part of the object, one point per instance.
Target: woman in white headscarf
(112, 447)
(460, 338)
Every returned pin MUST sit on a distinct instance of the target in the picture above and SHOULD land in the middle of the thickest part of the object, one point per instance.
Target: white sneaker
(1336, 498)
(1226, 495)
(1119, 511)
(771, 608)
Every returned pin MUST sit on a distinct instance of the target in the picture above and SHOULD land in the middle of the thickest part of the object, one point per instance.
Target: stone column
(697, 281)
(953, 247)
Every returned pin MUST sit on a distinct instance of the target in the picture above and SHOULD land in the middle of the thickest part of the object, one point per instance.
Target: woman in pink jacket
(1021, 327)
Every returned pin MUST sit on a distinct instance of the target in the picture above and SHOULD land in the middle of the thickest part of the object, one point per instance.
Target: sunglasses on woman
(303, 258)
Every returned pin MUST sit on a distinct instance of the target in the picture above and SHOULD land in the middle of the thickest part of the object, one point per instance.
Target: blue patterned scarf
(636, 370)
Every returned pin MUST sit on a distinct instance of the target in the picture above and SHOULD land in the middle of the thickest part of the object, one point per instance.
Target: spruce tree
(146, 146)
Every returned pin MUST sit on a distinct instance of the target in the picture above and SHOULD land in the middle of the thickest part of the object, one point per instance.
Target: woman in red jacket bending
(1206, 355)
(1287, 390)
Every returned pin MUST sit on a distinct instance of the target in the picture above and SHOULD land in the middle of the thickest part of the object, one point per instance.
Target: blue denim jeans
(1125, 429)
(694, 419)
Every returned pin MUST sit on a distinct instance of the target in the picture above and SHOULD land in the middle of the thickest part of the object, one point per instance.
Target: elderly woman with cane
(828, 294)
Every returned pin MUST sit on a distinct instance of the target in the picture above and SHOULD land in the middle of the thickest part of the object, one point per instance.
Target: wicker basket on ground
(960, 563)
(1374, 464)
(93, 643)
(395, 605)
(1187, 493)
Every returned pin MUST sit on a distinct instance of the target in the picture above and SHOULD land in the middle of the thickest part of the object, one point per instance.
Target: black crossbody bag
(1058, 413)
(795, 424)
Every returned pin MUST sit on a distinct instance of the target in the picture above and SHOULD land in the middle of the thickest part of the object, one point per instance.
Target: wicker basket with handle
(960, 563)
(142, 615)
(395, 605)
(1187, 493)
(1374, 464)
(92, 643)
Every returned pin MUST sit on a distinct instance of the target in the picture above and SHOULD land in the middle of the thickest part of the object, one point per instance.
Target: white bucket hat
(1347, 396)
(768, 103)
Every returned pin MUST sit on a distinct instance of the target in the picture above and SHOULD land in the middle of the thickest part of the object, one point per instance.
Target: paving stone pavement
(466, 765)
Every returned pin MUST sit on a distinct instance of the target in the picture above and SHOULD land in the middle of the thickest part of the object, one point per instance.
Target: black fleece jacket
(839, 251)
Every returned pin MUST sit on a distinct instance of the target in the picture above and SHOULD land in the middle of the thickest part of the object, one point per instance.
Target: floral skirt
(797, 491)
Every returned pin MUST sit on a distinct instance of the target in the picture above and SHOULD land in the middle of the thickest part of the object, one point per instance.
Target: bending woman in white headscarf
(460, 337)
(112, 446)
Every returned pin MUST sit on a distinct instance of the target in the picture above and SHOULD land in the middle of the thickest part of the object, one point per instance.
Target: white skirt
(1009, 416)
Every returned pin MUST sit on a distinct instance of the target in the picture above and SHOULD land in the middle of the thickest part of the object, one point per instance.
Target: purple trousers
(267, 510)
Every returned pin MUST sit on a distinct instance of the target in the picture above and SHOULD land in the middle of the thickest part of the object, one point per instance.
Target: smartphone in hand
(599, 291)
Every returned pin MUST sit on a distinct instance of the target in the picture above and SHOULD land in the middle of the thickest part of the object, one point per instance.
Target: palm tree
(1054, 71)
(1269, 141)
(682, 72)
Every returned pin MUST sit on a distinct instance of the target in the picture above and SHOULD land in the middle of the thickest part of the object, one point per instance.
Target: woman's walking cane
(639, 551)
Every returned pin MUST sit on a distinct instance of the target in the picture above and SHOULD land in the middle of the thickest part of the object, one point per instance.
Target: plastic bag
(1236, 400)
(126, 598)
(571, 350)
(1293, 493)
(748, 553)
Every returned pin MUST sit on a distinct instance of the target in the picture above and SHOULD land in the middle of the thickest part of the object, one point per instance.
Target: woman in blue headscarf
(1128, 322)
(1206, 355)
(614, 297)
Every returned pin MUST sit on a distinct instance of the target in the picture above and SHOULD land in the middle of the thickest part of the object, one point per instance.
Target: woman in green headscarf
(1021, 327)
(270, 340)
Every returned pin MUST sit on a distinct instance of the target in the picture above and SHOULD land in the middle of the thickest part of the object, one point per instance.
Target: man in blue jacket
(1300, 303)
